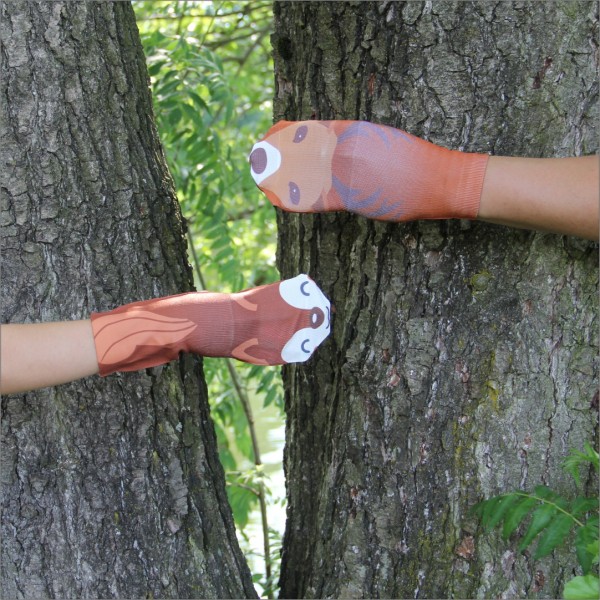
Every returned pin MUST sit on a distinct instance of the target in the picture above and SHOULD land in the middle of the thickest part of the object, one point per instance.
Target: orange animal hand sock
(372, 170)
(273, 324)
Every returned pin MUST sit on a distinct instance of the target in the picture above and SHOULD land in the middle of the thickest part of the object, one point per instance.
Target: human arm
(279, 323)
(550, 194)
(35, 355)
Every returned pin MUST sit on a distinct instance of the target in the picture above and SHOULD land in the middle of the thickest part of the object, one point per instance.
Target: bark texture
(110, 487)
(463, 359)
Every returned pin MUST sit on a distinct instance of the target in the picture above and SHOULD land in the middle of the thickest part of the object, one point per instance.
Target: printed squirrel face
(294, 317)
(292, 164)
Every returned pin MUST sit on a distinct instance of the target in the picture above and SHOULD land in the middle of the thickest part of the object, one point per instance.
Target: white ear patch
(265, 160)
(302, 344)
(302, 292)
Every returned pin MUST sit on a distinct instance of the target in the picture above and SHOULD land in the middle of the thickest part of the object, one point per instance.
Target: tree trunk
(463, 359)
(110, 487)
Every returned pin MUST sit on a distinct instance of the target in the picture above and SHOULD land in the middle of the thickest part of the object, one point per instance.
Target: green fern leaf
(500, 510)
(582, 588)
(544, 492)
(577, 459)
(586, 544)
(554, 535)
(582, 505)
(519, 511)
(541, 518)
(485, 510)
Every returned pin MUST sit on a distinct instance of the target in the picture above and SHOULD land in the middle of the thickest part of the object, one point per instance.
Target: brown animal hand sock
(273, 324)
(372, 170)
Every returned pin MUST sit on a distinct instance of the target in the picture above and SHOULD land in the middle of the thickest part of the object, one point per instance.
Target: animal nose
(316, 317)
(264, 160)
(258, 160)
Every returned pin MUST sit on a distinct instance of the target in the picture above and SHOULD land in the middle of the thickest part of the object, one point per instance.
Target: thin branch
(245, 401)
(257, 461)
(218, 43)
(255, 6)
(243, 60)
(246, 487)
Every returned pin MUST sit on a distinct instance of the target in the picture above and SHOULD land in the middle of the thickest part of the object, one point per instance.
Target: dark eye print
(303, 348)
(294, 193)
(302, 290)
(300, 134)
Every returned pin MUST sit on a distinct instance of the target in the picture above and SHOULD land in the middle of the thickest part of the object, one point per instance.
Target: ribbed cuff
(468, 183)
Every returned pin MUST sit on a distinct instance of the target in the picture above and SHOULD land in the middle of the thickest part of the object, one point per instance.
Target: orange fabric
(253, 326)
(373, 170)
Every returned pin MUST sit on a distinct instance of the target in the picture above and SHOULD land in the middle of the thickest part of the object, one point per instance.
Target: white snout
(264, 161)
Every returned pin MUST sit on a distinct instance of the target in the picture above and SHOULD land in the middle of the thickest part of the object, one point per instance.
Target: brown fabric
(253, 326)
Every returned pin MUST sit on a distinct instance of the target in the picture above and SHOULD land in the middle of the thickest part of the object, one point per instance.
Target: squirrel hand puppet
(273, 324)
(373, 170)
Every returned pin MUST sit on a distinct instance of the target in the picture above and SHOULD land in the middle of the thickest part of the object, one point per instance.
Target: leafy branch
(259, 490)
(550, 519)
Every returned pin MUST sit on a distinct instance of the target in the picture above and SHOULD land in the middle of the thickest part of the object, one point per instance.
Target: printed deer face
(292, 164)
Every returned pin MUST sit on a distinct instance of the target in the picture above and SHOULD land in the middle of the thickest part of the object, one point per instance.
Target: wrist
(464, 185)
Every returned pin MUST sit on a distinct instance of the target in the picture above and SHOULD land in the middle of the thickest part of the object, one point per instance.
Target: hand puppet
(373, 170)
(279, 323)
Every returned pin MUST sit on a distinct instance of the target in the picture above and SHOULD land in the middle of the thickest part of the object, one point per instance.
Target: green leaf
(586, 544)
(576, 459)
(266, 381)
(554, 535)
(517, 514)
(583, 505)
(592, 456)
(174, 116)
(499, 510)
(194, 116)
(199, 101)
(541, 517)
(155, 68)
(486, 509)
(242, 501)
(167, 88)
(271, 394)
(584, 587)
(546, 493)
(586, 538)
(223, 254)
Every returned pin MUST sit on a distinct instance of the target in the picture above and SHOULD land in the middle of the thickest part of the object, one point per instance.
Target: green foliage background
(212, 83)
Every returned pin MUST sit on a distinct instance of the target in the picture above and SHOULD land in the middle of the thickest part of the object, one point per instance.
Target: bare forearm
(45, 354)
(549, 194)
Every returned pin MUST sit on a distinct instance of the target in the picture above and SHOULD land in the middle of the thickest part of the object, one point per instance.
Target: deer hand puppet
(273, 324)
(372, 170)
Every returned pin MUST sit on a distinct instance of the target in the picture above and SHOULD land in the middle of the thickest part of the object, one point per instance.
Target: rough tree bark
(463, 360)
(110, 488)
